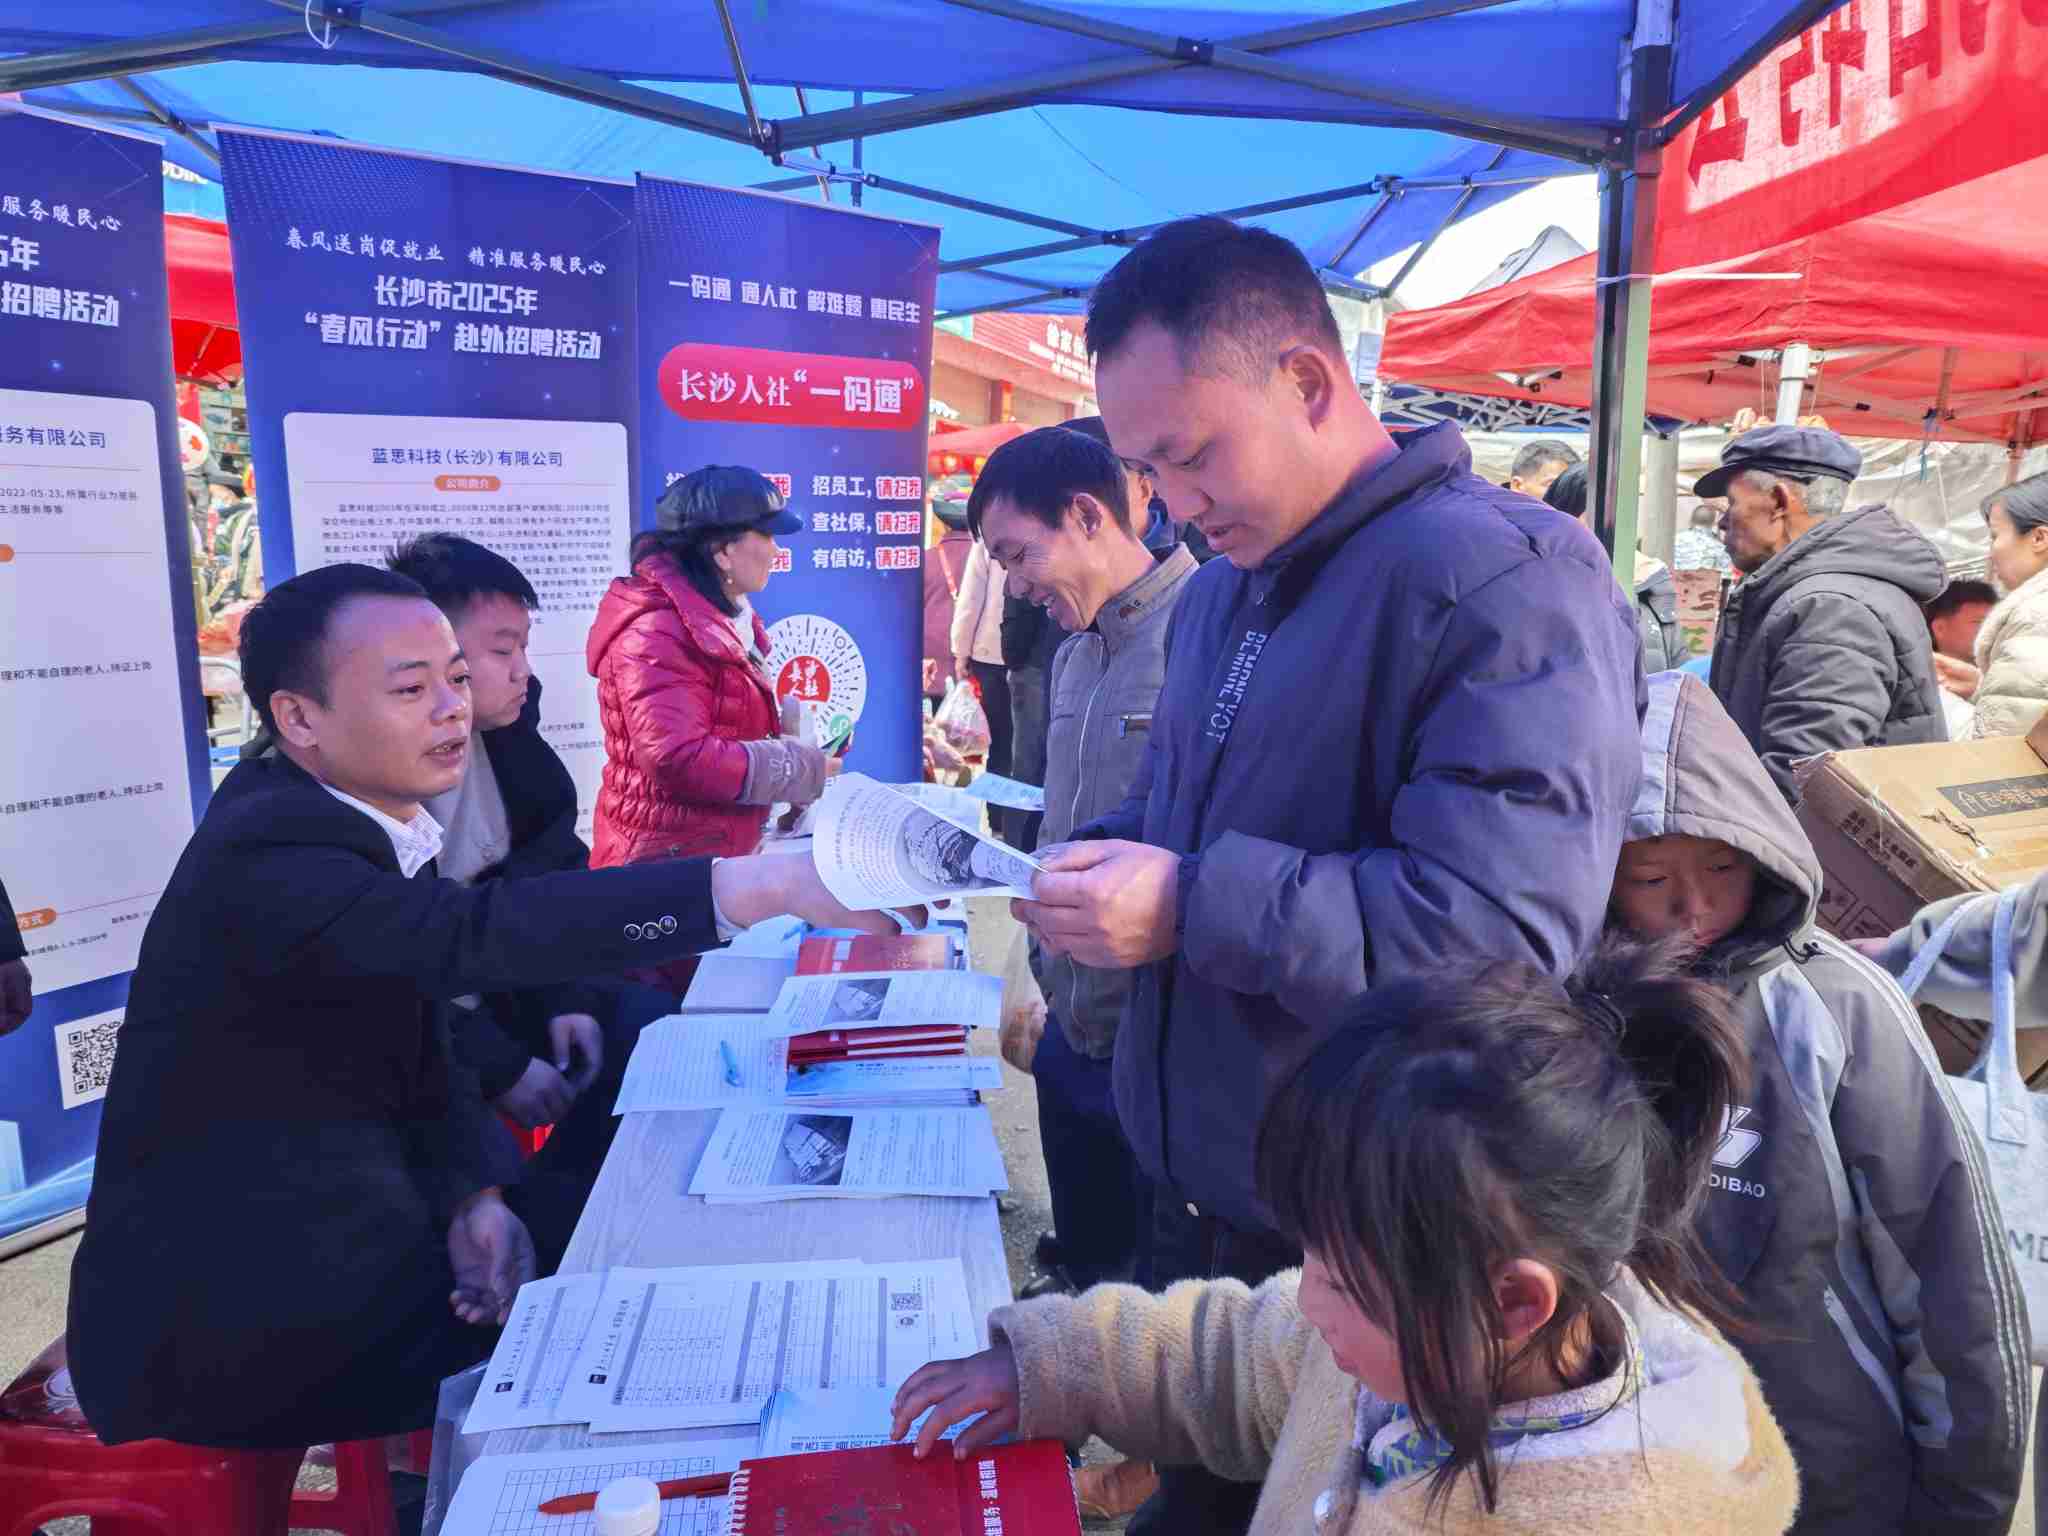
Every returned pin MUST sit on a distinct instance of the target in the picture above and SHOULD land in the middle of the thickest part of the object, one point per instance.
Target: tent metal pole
(803, 108)
(739, 75)
(1628, 250)
(933, 195)
(1457, 211)
(197, 45)
(169, 119)
(859, 145)
(1795, 367)
(558, 80)
(1393, 190)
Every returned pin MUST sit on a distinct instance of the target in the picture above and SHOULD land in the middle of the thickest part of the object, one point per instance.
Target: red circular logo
(806, 679)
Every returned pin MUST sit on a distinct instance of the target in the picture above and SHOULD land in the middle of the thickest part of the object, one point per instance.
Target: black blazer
(11, 945)
(286, 1133)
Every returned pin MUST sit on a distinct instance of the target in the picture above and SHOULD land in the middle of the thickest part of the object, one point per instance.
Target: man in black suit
(17, 995)
(300, 1209)
(545, 1055)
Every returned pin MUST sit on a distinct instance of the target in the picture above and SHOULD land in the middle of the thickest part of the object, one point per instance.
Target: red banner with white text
(1883, 102)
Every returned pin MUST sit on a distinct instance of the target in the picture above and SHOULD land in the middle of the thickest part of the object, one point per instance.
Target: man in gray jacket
(1821, 646)
(1054, 510)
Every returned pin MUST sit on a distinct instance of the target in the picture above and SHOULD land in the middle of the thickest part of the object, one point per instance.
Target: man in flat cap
(1821, 646)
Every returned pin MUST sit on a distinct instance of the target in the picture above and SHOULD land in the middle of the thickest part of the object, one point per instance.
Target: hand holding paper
(760, 886)
(957, 1389)
(1107, 904)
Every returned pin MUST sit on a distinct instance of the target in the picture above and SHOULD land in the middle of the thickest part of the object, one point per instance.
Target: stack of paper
(895, 999)
(650, 1349)
(730, 983)
(713, 1061)
(502, 1495)
(785, 1154)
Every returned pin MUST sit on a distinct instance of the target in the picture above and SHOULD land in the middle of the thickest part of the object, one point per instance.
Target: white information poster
(95, 792)
(550, 496)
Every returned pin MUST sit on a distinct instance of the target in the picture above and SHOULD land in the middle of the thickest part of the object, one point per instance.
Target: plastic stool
(360, 1502)
(52, 1466)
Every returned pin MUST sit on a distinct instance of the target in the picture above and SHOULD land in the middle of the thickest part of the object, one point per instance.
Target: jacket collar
(1144, 597)
(1421, 460)
(708, 626)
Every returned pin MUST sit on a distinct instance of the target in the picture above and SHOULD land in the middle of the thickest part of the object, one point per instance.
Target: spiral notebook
(1023, 1489)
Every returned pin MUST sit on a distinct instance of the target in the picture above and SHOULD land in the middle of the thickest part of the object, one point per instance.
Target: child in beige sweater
(1500, 1325)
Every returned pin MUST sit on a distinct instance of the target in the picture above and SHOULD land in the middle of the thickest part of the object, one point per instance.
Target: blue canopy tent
(986, 108)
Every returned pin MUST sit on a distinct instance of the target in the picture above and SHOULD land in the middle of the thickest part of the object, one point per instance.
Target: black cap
(1802, 452)
(724, 496)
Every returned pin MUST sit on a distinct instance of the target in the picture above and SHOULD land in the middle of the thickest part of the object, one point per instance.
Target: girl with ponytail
(1503, 1321)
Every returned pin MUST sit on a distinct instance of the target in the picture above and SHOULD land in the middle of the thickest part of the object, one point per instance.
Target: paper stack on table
(502, 1495)
(895, 999)
(713, 1061)
(787, 1154)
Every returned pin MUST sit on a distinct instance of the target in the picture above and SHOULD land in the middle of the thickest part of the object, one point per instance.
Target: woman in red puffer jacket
(694, 750)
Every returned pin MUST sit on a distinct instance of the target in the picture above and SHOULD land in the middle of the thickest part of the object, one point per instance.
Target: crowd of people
(1454, 1114)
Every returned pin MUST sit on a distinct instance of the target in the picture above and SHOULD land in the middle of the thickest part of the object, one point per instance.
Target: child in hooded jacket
(1500, 1326)
(1848, 1205)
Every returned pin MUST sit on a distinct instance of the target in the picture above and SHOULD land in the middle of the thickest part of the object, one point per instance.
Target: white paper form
(797, 1154)
(999, 790)
(677, 1347)
(875, 846)
(677, 1063)
(502, 1495)
(736, 983)
(893, 999)
(851, 1419)
(522, 1385)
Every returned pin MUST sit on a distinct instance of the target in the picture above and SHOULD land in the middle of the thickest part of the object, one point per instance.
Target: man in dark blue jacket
(1398, 731)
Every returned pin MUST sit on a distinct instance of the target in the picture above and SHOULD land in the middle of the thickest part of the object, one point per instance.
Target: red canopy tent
(206, 341)
(1928, 318)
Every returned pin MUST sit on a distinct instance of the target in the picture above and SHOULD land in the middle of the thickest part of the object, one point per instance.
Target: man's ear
(1311, 377)
(295, 722)
(1089, 513)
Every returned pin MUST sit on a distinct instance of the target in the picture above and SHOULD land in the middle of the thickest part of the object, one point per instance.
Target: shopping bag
(2009, 1122)
(962, 719)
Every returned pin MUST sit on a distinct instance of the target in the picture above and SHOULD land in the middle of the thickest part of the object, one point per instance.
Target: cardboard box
(1899, 827)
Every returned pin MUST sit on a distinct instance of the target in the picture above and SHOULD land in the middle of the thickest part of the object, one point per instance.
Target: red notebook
(1008, 1490)
(852, 1044)
(824, 955)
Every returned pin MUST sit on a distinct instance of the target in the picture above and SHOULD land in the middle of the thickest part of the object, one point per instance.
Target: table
(638, 1214)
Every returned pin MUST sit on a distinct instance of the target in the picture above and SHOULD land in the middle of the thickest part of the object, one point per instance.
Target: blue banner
(430, 345)
(102, 728)
(796, 338)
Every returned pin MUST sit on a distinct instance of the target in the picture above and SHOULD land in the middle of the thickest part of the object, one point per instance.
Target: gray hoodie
(1823, 647)
(1849, 1205)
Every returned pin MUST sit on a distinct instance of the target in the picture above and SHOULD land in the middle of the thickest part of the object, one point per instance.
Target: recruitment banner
(102, 732)
(436, 345)
(796, 338)
(1884, 102)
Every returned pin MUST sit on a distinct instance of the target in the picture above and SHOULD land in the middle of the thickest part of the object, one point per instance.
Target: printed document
(1014, 793)
(794, 1154)
(502, 1495)
(876, 846)
(672, 1348)
(522, 1386)
(681, 1064)
(879, 999)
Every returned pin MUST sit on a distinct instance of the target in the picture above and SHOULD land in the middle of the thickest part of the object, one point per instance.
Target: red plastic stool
(52, 1465)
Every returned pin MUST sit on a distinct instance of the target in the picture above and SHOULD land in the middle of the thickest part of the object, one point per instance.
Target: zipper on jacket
(1080, 780)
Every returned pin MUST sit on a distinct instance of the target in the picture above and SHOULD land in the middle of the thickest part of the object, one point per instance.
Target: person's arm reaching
(1203, 1374)
(1960, 982)
(1940, 1263)
(1830, 687)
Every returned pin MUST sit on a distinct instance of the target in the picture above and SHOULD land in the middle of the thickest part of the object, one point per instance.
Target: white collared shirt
(415, 842)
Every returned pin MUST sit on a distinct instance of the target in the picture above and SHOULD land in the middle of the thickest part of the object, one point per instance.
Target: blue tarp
(1212, 138)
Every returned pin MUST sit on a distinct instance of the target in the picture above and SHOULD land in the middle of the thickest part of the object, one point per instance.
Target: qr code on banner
(85, 1056)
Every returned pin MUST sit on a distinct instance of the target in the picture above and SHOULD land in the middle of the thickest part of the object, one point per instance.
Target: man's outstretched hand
(753, 889)
(492, 1255)
(1112, 905)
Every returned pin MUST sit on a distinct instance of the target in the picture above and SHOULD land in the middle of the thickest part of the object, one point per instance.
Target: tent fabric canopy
(206, 339)
(1914, 310)
(1018, 107)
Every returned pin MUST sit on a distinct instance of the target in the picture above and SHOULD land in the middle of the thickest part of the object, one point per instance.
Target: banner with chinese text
(1884, 102)
(796, 338)
(102, 730)
(436, 345)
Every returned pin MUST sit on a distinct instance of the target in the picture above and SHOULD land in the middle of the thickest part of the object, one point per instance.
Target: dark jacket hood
(1871, 541)
(1701, 778)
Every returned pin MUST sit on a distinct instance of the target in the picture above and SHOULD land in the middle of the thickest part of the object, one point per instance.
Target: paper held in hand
(875, 846)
